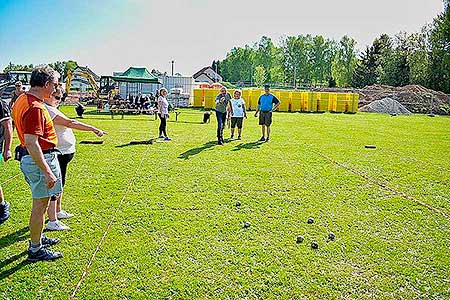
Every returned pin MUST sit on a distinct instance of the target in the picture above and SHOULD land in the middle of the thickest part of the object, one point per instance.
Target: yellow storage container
(246, 95)
(254, 98)
(354, 106)
(314, 99)
(332, 104)
(306, 101)
(285, 99)
(199, 98)
(323, 102)
(296, 101)
(210, 98)
(342, 102)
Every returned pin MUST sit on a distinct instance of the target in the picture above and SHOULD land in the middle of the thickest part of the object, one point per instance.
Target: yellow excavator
(86, 75)
(107, 85)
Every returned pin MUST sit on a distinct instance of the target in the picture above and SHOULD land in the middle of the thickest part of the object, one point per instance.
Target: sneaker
(231, 137)
(43, 254)
(47, 242)
(239, 137)
(63, 215)
(262, 139)
(220, 143)
(56, 226)
(167, 138)
(267, 139)
(4, 212)
(161, 137)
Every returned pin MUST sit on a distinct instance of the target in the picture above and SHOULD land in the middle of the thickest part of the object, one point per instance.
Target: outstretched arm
(64, 121)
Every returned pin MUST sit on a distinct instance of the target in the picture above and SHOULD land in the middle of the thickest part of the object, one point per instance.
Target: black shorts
(265, 118)
(236, 121)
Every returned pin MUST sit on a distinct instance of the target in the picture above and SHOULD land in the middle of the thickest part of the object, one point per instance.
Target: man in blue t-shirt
(267, 103)
(5, 151)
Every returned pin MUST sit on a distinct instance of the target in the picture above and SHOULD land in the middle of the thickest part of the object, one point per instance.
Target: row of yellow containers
(290, 100)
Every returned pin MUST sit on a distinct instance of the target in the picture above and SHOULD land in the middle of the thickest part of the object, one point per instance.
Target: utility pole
(216, 71)
(172, 62)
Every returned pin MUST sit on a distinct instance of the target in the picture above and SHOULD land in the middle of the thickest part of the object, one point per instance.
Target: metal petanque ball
(310, 220)
(246, 224)
(314, 245)
(238, 203)
(331, 236)
(300, 239)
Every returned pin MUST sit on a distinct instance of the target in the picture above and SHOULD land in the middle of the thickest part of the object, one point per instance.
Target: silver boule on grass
(331, 236)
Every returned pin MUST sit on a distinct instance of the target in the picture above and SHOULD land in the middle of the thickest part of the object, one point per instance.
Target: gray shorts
(36, 178)
(265, 118)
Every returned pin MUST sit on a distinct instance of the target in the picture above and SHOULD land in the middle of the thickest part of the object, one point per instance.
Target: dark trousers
(221, 119)
(64, 160)
(162, 125)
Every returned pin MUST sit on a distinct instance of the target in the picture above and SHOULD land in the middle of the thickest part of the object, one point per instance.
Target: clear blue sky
(112, 35)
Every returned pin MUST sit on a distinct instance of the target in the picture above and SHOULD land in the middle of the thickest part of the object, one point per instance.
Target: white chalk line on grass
(91, 259)
(10, 179)
(381, 184)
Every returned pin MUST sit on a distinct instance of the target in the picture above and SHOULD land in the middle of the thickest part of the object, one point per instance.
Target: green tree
(394, 69)
(259, 76)
(366, 71)
(69, 65)
(14, 67)
(344, 62)
(440, 52)
(322, 53)
(265, 54)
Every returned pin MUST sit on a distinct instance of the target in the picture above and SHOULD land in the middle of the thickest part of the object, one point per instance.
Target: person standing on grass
(238, 113)
(38, 156)
(163, 113)
(267, 103)
(5, 152)
(66, 144)
(16, 93)
(222, 106)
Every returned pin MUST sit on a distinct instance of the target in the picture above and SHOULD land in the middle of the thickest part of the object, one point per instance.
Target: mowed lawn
(176, 233)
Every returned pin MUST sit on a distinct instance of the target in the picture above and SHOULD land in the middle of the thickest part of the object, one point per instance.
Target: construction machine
(108, 87)
(84, 74)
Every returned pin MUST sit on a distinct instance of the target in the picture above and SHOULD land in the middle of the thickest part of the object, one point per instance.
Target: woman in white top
(163, 113)
(66, 144)
(238, 113)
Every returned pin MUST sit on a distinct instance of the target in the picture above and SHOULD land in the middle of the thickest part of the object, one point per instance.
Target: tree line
(419, 58)
(62, 67)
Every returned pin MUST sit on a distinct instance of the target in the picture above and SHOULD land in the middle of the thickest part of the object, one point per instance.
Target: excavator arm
(86, 75)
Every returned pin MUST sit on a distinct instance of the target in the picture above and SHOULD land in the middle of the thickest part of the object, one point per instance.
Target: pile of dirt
(415, 98)
(386, 106)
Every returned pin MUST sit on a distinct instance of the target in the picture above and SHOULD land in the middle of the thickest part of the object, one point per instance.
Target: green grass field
(176, 233)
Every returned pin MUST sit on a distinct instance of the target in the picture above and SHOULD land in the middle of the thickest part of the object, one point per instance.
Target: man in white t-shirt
(238, 113)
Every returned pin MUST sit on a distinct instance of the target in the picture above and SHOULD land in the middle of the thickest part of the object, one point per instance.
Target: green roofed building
(135, 80)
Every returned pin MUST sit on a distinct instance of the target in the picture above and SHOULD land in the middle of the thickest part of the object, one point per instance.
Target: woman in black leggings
(163, 113)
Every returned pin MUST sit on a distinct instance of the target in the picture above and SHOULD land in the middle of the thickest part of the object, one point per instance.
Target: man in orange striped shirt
(38, 156)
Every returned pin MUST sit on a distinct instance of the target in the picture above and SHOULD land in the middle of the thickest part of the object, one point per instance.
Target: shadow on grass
(185, 122)
(133, 143)
(248, 146)
(6, 273)
(12, 238)
(195, 151)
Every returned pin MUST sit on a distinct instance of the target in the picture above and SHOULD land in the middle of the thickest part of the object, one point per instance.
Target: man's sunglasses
(57, 97)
